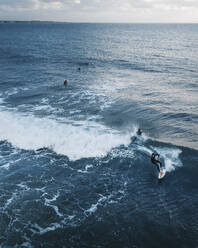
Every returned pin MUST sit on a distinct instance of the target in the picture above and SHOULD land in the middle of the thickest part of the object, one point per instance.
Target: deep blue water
(72, 173)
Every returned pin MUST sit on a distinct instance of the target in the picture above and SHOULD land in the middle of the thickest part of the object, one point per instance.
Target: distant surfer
(65, 82)
(155, 159)
(139, 132)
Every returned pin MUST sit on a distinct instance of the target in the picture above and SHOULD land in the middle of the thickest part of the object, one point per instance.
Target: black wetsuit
(156, 161)
(138, 134)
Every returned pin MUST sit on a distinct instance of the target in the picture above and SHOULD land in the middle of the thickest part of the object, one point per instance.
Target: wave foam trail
(86, 140)
(171, 157)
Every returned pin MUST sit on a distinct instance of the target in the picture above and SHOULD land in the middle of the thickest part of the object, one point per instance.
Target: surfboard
(162, 173)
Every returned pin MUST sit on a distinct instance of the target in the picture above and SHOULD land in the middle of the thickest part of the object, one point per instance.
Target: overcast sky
(101, 10)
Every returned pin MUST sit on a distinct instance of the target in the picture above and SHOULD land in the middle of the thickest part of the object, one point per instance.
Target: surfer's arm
(157, 157)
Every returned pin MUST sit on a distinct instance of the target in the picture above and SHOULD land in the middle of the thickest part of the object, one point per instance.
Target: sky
(135, 11)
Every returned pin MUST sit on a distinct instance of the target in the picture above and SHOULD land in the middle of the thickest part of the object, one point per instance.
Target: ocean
(73, 172)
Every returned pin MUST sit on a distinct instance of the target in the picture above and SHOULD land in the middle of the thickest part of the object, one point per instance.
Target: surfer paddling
(155, 159)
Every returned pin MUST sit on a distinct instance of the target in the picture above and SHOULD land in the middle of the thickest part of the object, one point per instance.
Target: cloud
(20, 5)
(47, 4)
(97, 5)
(98, 10)
(25, 4)
(179, 4)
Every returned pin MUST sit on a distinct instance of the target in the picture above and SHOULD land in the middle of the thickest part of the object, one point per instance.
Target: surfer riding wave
(155, 159)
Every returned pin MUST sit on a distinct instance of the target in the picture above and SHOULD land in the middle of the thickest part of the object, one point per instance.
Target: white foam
(124, 153)
(48, 203)
(26, 244)
(86, 168)
(44, 100)
(145, 150)
(12, 91)
(5, 166)
(42, 231)
(23, 186)
(10, 200)
(76, 140)
(48, 108)
(94, 207)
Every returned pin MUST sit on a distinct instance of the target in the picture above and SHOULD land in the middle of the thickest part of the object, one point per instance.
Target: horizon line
(89, 22)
